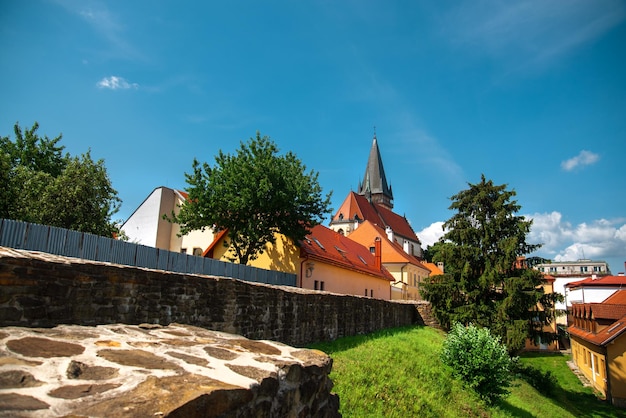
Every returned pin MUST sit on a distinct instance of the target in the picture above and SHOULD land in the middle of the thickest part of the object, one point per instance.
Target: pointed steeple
(374, 185)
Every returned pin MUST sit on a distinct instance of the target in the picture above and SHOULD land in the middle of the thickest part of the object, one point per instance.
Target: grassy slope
(397, 373)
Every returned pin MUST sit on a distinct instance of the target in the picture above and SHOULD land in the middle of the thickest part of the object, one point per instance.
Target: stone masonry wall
(42, 290)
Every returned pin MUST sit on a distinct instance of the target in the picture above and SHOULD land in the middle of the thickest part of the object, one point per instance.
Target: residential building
(374, 202)
(598, 341)
(147, 226)
(408, 272)
(325, 260)
(565, 272)
(552, 329)
(593, 289)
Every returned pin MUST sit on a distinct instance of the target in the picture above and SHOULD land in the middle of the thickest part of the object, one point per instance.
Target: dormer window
(341, 216)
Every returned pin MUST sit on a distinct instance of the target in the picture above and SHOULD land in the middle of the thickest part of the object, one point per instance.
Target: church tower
(374, 185)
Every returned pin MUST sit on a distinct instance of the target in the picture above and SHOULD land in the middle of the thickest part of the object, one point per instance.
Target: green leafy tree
(44, 186)
(479, 359)
(482, 283)
(254, 194)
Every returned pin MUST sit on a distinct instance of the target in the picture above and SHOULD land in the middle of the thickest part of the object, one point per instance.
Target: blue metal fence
(59, 241)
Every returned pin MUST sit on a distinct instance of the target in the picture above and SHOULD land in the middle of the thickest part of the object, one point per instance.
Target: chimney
(440, 266)
(377, 252)
(389, 232)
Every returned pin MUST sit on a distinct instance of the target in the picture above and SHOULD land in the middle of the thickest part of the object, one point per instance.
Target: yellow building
(325, 260)
(598, 340)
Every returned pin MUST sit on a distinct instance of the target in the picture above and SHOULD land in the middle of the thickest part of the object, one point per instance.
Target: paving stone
(44, 347)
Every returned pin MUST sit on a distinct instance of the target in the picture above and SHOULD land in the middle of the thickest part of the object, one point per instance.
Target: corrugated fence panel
(60, 241)
(74, 245)
(103, 250)
(56, 240)
(162, 258)
(36, 237)
(123, 253)
(13, 234)
(146, 257)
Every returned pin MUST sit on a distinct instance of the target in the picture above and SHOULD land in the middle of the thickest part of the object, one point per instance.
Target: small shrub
(479, 360)
(545, 382)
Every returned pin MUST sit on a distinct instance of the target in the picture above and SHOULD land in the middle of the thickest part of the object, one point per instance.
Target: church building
(374, 202)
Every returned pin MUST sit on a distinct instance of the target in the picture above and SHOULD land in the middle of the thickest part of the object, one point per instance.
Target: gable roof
(326, 245)
(392, 252)
(329, 246)
(617, 298)
(356, 205)
(599, 282)
(434, 270)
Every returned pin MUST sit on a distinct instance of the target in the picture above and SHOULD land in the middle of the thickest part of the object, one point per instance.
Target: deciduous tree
(483, 283)
(254, 193)
(44, 186)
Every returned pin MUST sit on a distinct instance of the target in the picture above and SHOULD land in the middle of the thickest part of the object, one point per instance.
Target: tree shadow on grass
(514, 411)
(346, 343)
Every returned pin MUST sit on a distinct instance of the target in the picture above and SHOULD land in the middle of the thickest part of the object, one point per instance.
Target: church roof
(374, 180)
(377, 214)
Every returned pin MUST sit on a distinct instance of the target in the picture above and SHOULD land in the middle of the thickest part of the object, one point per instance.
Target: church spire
(374, 185)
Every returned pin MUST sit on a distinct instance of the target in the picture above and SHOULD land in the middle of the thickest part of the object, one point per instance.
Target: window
(183, 251)
(595, 363)
(371, 293)
(373, 250)
(321, 285)
(197, 251)
(583, 269)
(365, 292)
(316, 285)
(552, 269)
(340, 231)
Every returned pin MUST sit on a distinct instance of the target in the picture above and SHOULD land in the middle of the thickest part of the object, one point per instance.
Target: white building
(593, 289)
(565, 272)
(146, 225)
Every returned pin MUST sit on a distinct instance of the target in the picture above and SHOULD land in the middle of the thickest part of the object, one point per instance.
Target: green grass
(397, 373)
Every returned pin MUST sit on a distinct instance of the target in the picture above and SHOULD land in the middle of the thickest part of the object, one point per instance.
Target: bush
(479, 360)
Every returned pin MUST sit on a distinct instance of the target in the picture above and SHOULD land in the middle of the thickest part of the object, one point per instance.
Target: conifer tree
(483, 284)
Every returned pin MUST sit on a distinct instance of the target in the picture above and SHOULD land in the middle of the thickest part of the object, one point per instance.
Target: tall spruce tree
(484, 284)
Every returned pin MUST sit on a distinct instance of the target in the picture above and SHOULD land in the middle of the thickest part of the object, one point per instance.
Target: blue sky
(531, 93)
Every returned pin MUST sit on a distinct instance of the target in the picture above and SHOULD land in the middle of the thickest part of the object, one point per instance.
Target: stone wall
(154, 371)
(42, 290)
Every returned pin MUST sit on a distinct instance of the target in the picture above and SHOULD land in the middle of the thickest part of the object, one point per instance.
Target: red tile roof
(358, 205)
(603, 337)
(617, 298)
(327, 245)
(331, 247)
(600, 281)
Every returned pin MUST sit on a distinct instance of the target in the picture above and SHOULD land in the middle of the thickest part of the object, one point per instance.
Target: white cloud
(431, 234)
(116, 83)
(582, 159)
(600, 239)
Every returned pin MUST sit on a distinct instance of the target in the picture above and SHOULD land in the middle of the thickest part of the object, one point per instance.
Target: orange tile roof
(327, 245)
(601, 281)
(392, 252)
(617, 298)
(434, 270)
(603, 337)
